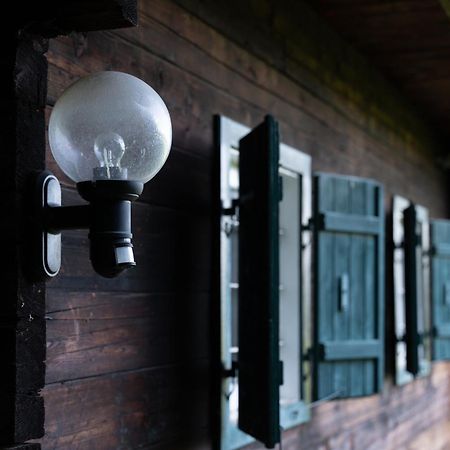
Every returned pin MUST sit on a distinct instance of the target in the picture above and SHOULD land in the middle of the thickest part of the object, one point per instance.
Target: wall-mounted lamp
(110, 133)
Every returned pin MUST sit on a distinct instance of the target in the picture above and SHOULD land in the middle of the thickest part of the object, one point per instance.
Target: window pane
(290, 251)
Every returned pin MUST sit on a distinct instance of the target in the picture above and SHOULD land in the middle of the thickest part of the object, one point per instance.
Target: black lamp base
(107, 216)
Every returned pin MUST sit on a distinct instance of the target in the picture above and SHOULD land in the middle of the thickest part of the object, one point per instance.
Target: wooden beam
(22, 323)
(51, 18)
(22, 317)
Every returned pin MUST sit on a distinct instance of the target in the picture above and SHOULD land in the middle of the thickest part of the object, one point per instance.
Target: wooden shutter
(440, 288)
(411, 283)
(411, 277)
(258, 360)
(417, 299)
(349, 286)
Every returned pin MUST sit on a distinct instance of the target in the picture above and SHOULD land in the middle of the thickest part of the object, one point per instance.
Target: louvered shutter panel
(258, 360)
(349, 286)
(440, 288)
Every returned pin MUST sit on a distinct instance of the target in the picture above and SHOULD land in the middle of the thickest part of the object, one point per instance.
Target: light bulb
(109, 149)
(110, 126)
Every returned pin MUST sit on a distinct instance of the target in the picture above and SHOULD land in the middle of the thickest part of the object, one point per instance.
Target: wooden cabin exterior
(134, 362)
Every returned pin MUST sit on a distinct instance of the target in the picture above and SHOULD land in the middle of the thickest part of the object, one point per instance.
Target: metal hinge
(308, 226)
(231, 211)
(231, 372)
(308, 355)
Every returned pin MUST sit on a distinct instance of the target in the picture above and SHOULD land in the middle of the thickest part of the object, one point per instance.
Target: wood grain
(129, 360)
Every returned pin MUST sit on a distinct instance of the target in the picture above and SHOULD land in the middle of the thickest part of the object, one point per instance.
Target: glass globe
(110, 126)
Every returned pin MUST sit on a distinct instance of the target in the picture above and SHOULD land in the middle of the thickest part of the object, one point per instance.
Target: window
(294, 252)
(411, 241)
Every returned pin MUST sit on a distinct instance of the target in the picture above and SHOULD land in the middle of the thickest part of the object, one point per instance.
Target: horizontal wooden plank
(349, 350)
(133, 409)
(349, 223)
(104, 332)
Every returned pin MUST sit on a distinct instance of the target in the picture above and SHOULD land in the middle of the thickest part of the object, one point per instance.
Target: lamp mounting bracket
(45, 244)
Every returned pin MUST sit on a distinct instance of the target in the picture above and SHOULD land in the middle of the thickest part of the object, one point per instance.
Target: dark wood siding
(128, 359)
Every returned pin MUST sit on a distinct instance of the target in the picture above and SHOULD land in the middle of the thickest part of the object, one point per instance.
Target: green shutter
(258, 361)
(412, 337)
(349, 286)
(440, 288)
(411, 289)
(417, 336)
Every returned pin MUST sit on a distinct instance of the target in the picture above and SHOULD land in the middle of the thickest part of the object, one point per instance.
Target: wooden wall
(128, 360)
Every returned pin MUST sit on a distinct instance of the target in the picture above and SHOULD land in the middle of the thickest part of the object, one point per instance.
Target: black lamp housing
(107, 216)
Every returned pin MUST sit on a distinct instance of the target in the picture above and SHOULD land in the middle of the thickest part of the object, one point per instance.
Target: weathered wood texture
(387, 32)
(397, 419)
(22, 327)
(128, 359)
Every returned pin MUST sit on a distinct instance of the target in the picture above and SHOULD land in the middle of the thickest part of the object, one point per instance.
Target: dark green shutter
(349, 286)
(412, 337)
(417, 300)
(440, 288)
(411, 270)
(258, 361)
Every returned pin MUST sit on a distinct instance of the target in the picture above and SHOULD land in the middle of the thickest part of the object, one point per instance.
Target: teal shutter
(440, 288)
(259, 368)
(349, 287)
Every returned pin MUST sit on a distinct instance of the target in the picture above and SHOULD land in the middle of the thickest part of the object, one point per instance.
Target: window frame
(399, 205)
(292, 160)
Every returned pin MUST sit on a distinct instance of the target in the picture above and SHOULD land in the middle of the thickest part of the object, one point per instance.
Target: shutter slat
(258, 357)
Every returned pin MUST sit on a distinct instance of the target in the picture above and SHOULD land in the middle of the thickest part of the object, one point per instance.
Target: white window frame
(399, 204)
(291, 160)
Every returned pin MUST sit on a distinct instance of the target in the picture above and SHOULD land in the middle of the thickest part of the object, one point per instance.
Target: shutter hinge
(281, 373)
(308, 355)
(231, 372)
(231, 211)
(280, 189)
(308, 226)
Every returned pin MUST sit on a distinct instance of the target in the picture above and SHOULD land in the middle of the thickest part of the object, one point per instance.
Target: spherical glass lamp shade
(110, 126)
